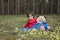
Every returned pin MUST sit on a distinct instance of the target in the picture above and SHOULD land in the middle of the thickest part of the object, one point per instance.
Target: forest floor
(10, 23)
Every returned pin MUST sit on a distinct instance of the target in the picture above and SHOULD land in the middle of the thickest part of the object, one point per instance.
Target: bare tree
(33, 6)
(58, 7)
(24, 6)
(18, 6)
(2, 6)
(8, 7)
(42, 7)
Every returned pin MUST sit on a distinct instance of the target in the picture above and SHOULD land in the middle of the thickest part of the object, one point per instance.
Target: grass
(8, 23)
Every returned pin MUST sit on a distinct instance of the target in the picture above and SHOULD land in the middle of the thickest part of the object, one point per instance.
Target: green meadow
(9, 23)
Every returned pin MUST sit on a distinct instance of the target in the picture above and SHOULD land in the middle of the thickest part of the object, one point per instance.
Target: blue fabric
(45, 25)
(36, 26)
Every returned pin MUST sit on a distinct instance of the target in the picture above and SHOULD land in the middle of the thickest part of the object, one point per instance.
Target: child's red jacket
(30, 23)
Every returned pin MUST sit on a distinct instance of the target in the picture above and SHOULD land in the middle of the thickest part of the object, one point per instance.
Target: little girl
(30, 22)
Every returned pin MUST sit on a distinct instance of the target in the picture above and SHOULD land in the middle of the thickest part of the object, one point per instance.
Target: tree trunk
(33, 6)
(58, 8)
(51, 6)
(18, 6)
(42, 7)
(2, 6)
(8, 7)
(24, 6)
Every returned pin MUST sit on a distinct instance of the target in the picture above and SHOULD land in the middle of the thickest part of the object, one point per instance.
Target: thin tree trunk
(42, 10)
(8, 7)
(37, 4)
(58, 8)
(2, 6)
(51, 7)
(33, 6)
(37, 9)
(21, 6)
(18, 6)
(24, 6)
(42, 7)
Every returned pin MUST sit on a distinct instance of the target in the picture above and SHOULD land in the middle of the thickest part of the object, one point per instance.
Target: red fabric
(30, 23)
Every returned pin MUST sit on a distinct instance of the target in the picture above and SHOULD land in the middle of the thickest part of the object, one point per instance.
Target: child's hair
(30, 13)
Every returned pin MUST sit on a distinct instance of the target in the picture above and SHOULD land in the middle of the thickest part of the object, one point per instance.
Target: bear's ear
(45, 17)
